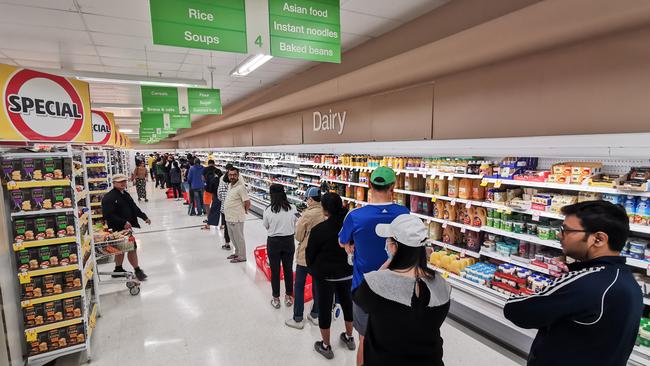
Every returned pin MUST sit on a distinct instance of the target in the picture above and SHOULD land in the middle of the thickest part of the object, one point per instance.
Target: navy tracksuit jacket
(590, 316)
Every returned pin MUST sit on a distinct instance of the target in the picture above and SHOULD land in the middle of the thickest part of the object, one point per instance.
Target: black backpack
(212, 182)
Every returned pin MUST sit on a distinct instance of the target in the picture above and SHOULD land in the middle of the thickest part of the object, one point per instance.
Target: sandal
(288, 301)
(275, 302)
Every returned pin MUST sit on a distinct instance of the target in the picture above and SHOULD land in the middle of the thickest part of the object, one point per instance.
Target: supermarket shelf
(566, 187)
(263, 157)
(349, 167)
(283, 183)
(49, 356)
(296, 199)
(55, 154)
(45, 328)
(646, 301)
(83, 219)
(259, 201)
(249, 176)
(308, 183)
(97, 180)
(483, 292)
(640, 228)
(257, 187)
(642, 350)
(308, 173)
(255, 162)
(638, 263)
(98, 192)
(81, 195)
(96, 165)
(77, 162)
(344, 182)
(354, 201)
(43, 272)
(88, 271)
(496, 256)
(462, 251)
(40, 300)
(296, 162)
(414, 193)
(38, 183)
(95, 204)
(39, 243)
(92, 320)
(525, 237)
(97, 216)
(463, 227)
(42, 212)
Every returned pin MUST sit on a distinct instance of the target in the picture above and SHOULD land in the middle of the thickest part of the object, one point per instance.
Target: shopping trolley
(112, 247)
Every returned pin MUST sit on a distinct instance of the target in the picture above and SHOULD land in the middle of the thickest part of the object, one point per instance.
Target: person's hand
(349, 248)
(148, 221)
(128, 226)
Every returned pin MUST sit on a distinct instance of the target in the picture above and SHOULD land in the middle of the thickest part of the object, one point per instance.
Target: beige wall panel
(403, 115)
(357, 126)
(285, 130)
(242, 136)
(600, 86)
(222, 138)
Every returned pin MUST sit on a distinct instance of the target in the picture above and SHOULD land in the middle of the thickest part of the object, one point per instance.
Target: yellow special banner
(103, 127)
(42, 107)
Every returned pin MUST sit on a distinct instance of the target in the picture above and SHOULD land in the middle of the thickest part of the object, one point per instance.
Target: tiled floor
(198, 309)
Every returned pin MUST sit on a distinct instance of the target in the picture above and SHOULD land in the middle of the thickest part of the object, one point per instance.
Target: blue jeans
(299, 293)
(196, 199)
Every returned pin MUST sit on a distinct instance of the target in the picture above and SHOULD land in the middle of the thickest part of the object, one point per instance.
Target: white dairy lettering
(329, 121)
(320, 122)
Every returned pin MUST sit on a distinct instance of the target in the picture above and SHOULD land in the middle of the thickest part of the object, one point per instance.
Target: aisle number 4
(258, 41)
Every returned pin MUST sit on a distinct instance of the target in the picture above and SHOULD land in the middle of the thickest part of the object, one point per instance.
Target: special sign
(103, 127)
(42, 107)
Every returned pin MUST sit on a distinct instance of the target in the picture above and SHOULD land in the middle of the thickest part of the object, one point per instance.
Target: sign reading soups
(42, 107)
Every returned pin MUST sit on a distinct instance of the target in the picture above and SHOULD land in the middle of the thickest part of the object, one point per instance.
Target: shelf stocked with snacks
(49, 228)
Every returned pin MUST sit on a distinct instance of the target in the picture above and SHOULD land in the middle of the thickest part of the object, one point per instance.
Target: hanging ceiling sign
(158, 122)
(42, 107)
(103, 127)
(157, 99)
(302, 29)
(218, 25)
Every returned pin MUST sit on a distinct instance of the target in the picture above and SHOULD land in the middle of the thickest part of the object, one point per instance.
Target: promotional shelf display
(493, 223)
(50, 236)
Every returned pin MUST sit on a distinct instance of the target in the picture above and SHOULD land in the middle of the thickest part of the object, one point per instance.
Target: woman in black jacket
(328, 265)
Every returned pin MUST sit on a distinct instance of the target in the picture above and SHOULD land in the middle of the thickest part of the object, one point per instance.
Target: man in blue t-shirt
(358, 236)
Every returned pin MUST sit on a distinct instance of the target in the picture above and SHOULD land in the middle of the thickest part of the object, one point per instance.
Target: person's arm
(301, 229)
(564, 299)
(265, 219)
(247, 206)
(313, 248)
(246, 200)
(346, 234)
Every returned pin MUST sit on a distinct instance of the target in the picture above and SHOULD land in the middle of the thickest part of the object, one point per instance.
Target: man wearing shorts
(358, 237)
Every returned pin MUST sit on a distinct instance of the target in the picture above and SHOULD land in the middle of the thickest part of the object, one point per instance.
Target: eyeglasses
(564, 230)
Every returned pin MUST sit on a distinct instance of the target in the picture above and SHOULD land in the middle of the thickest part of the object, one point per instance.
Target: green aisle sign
(309, 30)
(218, 25)
(157, 99)
(161, 123)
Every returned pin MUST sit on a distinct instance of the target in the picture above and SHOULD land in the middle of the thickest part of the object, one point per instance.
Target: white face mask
(387, 248)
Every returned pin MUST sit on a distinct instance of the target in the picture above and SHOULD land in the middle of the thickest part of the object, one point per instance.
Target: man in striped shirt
(591, 315)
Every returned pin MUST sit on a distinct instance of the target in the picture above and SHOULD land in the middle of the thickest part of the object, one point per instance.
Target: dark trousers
(152, 172)
(326, 291)
(176, 188)
(281, 249)
(226, 237)
(160, 180)
(299, 293)
(196, 202)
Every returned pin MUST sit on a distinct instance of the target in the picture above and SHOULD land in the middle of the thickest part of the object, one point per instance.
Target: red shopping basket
(170, 193)
(261, 260)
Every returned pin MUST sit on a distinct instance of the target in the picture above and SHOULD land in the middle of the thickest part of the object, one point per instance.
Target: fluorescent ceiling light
(103, 77)
(126, 130)
(250, 64)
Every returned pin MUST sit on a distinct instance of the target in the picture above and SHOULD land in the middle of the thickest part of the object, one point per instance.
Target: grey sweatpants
(236, 233)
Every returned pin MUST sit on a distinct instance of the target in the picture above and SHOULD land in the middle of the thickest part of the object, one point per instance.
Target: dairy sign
(42, 107)
(103, 127)
(329, 121)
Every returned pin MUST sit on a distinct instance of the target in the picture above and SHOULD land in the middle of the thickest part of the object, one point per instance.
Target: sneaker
(348, 341)
(225, 247)
(232, 256)
(291, 323)
(275, 302)
(140, 275)
(288, 301)
(325, 351)
(312, 320)
(119, 270)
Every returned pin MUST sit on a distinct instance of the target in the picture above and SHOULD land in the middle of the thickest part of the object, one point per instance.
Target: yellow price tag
(445, 275)
(497, 184)
(24, 278)
(508, 211)
(18, 247)
(433, 199)
(484, 183)
(499, 210)
(31, 335)
(11, 185)
(26, 303)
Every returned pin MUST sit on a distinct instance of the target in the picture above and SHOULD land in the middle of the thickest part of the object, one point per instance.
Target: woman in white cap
(407, 302)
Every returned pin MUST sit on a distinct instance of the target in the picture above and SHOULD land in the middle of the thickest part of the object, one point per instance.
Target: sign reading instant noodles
(42, 107)
(103, 127)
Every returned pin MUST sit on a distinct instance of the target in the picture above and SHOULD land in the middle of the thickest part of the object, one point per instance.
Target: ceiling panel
(83, 67)
(402, 10)
(130, 9)
(6, 61)
(163, 65)
(121, 52)
(363, 24)
(32, 55)
(78, 59)
(38, 64)
(77, 49)
(18, 14)
(46, 4)
(120, 41)
(33, 33)
(165, 57)
(123, 62)
(113, 25)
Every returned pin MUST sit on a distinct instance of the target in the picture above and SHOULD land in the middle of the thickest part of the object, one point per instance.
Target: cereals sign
(42, 107)
(103, 126)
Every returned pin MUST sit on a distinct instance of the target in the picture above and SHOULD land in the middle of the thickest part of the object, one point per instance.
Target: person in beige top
(311, 216)
(140, 178)
(235, 209)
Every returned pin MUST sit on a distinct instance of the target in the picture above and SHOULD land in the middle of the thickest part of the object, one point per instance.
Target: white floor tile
(198, 309)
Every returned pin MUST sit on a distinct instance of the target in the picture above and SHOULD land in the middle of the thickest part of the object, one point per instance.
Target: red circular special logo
(101, 127)
(43, 107)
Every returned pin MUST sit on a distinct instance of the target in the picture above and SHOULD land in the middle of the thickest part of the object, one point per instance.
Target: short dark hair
(602, 216)
(233, 168)
(210, 162)
(197, 161)
(380, 188)
(316, 198)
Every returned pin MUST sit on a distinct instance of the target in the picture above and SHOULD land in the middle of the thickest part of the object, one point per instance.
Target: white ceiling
(114, 36)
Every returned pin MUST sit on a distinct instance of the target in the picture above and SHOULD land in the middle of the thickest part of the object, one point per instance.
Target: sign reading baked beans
(43, 107)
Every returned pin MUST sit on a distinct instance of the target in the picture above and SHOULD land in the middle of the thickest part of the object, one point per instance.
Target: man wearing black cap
(121, 213)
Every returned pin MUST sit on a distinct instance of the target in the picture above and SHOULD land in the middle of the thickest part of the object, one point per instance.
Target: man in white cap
(121, 213)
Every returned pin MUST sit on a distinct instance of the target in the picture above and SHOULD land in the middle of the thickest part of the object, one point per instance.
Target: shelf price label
(30, 335)
(444, 225)
(450, 177)
(497, 184)
(453, 202)
(433, 199)
(24, 278)
(484, 182)
(536, 217)
(26, 303)
(18, 247)
(445, 274)
(463, 229)
(468, 205)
